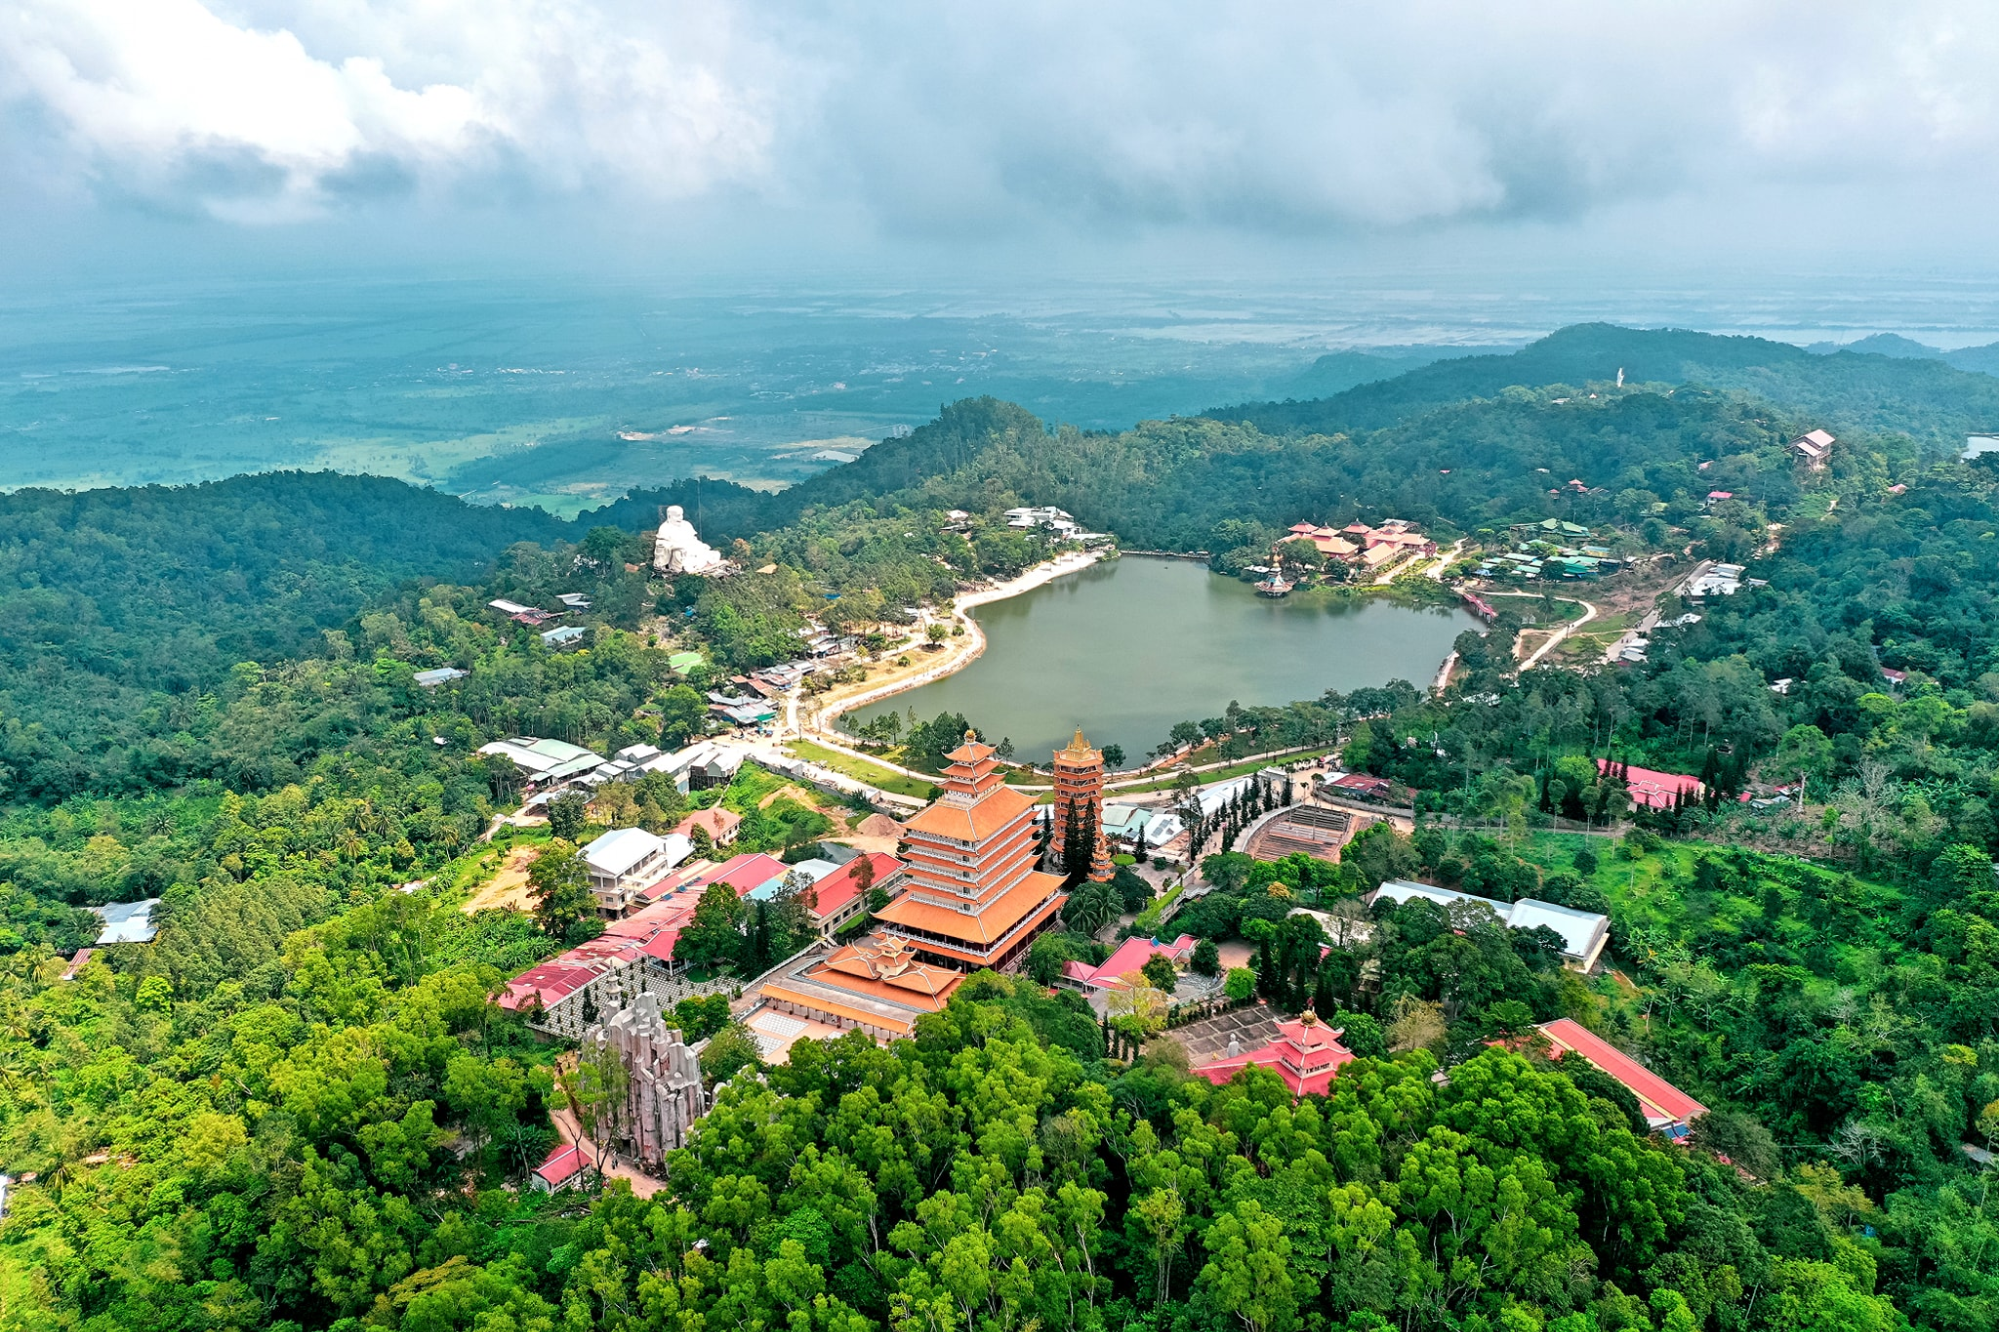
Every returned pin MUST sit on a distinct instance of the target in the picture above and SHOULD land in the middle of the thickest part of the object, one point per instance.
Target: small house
(720, 825)
(559, 1170)
(1812, 448)
(1130, 956)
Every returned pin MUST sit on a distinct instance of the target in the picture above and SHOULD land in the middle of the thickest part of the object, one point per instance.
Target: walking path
(1650, 620)
(766, 753)
(643, 1185)
(509, 885)
(1589, 614)
(1444, 561)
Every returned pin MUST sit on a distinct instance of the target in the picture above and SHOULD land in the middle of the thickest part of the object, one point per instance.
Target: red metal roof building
(742, 872)
(1361, 784)
(1653, 789)
(1307, 1055)
(558, 1170)
(840, 896)
(1666, 1108)
(633, 954)
(1130, 956)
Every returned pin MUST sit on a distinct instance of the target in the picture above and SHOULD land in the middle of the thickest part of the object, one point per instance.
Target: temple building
(1079, 795)
(678, 549)
(1307, 1055)
(876, 984)
(972, 897)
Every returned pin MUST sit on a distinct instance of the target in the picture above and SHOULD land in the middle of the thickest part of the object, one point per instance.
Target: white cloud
(169, 101)
(951, 120)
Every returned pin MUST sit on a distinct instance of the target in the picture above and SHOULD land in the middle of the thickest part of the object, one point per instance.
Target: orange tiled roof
(980, 956)
(890, 960)
(716, 820)
(971, 753)
(998, 917)
(872, 1017)
(971, 823)
(931, 997)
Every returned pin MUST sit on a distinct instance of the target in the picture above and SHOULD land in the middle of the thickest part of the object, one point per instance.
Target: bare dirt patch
(508, 888)
(795, 792)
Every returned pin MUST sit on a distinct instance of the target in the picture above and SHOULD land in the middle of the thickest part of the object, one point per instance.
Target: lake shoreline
(1139, 645)
(825, 717)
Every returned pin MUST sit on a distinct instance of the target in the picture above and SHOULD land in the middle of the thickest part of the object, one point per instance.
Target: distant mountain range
(1984, 359)
(1931, 398)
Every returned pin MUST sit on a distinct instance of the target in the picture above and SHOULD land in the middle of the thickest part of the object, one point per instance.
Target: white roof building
(616, 852)
(627, 860)
(1124, 821)
(1814, 446)
(545, 760)
(1584, 934)
(1215, 797)
(127, 923)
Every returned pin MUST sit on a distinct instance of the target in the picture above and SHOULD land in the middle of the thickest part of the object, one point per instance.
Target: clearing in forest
(508, 888)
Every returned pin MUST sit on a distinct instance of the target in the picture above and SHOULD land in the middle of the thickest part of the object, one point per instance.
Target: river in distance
(1128, 647)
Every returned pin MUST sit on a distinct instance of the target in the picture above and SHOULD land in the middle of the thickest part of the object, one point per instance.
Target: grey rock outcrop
(663, 1090)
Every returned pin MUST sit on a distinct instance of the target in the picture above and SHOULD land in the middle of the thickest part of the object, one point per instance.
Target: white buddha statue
(679, 549)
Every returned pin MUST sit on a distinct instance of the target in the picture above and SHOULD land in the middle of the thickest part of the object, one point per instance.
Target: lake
(1128, 647)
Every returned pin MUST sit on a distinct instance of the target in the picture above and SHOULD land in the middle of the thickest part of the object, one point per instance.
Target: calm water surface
(1127, 648)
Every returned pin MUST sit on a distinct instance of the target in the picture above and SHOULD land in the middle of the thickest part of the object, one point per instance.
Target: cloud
(958, 120)
(169, 101)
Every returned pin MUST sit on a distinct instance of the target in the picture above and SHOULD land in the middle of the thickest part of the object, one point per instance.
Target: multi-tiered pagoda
(973, 897)
(1079, 803)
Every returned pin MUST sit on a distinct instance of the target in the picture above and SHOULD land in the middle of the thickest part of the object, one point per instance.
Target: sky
(991, 139)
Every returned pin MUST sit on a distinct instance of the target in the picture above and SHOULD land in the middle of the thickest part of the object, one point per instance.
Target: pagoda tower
(1079, 794)
(973, 897)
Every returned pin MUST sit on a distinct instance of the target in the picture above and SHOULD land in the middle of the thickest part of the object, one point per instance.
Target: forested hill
(1200, 484)
(1932, 402)
(110, 596)
(1168, 483)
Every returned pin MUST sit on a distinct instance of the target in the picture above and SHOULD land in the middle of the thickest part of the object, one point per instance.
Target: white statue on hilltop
(679, 549)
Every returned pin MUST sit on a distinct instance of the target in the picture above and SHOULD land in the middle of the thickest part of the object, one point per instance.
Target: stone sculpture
(663, 1091)
(678, 549)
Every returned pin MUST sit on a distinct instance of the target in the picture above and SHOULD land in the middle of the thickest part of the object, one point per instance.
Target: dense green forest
(123, 611)
(300, 1106)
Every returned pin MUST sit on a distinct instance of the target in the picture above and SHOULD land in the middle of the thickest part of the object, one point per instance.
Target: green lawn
(871, 773)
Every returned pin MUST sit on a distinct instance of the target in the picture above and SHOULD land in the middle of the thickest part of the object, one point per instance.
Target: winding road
(1589, 614)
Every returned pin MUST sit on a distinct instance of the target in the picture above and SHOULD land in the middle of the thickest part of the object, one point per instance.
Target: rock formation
(663, 1092)
(678, 549)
